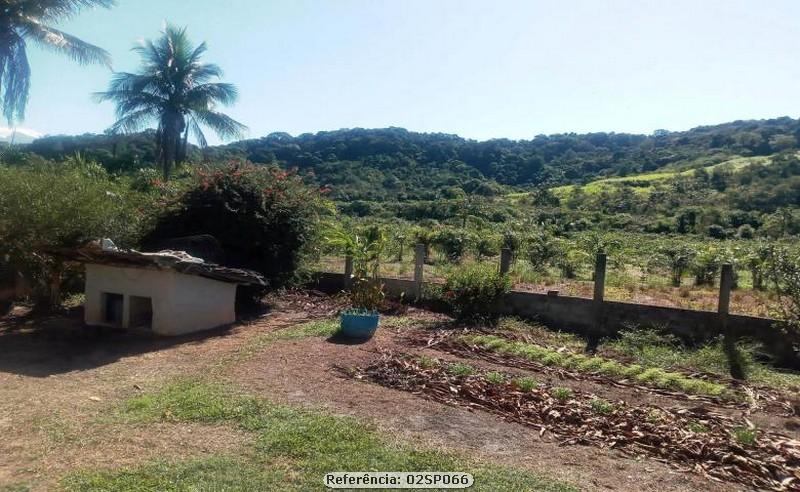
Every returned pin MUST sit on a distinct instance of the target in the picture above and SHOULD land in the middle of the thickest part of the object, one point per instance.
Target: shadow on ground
(340, 339)
(44, 345)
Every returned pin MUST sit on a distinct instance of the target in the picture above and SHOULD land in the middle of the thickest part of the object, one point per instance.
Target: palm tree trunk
(171, 129)
(184, 146)
(169, 151)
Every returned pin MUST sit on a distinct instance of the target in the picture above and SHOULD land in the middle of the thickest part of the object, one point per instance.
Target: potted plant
(366, 294)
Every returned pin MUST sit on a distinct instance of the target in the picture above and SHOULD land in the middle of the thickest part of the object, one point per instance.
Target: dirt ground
(312, 372)
(59, 381)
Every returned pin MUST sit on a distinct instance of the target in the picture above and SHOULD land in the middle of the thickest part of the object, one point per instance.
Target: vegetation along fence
(596, 317)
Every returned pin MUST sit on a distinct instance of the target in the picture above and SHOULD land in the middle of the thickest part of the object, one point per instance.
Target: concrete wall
(181, 303)
(580, 315)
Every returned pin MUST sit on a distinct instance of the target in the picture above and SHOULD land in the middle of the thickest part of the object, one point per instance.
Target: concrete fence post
(725, 287)
(419, 265)
(728, 337)
(600, 277)
(348, 271)
(505, 261)
(598, 329)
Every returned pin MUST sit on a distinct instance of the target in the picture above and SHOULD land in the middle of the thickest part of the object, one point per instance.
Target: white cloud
(6, 132)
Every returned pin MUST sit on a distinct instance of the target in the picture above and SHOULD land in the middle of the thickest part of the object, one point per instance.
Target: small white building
(169, 292)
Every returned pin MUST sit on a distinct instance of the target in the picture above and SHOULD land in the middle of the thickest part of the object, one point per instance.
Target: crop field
(634, 273)
(645, 182)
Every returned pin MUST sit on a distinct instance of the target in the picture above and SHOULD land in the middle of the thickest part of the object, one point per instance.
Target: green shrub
(145, 180)
(653, 348)
(472, 290)
(697, 428)
(602, 406)
(452, 242)
(632, 370)
(486, 245)
(497, 343)
(574, 361)
(460, 369)
(611, 368)
(265, 219)
(542, 249)
(553, 359)
(670, 380)
(784, 271)
(591, 364)
(495, 377)
(59, 206)
(745, 436)
(526, 383)
(561, 394)
(650, 375)
(426, 362)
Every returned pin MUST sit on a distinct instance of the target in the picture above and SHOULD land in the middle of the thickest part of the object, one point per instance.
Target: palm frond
(15, 80)
(134, 121)
(223, 125)
(201, 73)
(128, 102)
(77, 49)
(198, 53)
(217, 92)
(55, 10)
(124, 84)
(197, 132)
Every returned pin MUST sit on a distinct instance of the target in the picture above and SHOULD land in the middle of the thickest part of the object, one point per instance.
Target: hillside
(395, 163)
(730, 175)
(376, 164)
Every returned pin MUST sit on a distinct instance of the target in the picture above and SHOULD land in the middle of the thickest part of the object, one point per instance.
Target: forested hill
(396, 164)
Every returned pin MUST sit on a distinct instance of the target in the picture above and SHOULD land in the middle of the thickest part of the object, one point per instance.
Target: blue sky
(481, 69)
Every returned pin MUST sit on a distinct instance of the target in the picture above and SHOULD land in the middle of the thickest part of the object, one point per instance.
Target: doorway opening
(141, 315)
(112, 308)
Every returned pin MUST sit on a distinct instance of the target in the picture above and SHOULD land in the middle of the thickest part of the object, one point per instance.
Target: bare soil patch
(59, 381)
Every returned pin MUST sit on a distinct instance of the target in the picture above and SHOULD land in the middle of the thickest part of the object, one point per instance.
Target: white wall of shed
(181, 303)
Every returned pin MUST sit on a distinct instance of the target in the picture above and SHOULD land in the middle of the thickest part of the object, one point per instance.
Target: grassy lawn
(293, 451)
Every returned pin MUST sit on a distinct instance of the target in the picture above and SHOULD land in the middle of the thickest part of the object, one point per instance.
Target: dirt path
(59, 381)
(308, 372)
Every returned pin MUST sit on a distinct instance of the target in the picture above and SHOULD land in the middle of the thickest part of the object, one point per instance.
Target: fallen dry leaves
(771, 461)
(753, 398)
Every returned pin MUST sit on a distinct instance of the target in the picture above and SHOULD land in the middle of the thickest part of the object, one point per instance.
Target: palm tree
(22, 20)
(174, 89)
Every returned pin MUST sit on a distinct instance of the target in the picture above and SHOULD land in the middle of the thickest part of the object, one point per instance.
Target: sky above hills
(479, 69)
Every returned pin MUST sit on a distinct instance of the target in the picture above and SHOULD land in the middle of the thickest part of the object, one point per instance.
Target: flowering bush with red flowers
(265, 218)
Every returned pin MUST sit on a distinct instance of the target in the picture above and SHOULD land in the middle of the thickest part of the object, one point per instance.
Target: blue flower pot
(360, 325)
